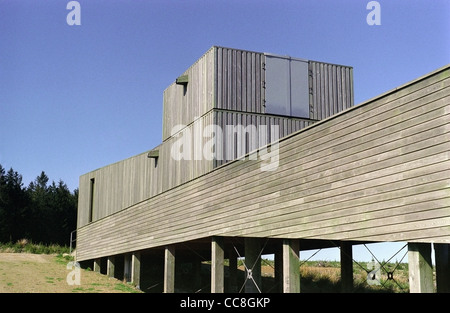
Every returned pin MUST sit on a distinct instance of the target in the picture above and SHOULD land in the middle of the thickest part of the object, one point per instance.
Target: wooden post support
(127, 267)
(291, 266)
(278, 259)
(110, 266)
(136, 269)
(233, 270)
(97, 263)
(217, 267)
(197, 268)
(420, 268)
(253, 263)
(346, 266)
(442, 257)
(169, 269)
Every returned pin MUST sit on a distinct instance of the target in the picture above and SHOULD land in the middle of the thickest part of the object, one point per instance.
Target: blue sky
(76, 98)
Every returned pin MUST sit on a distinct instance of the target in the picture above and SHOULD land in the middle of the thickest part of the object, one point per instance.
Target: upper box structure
(257, 83)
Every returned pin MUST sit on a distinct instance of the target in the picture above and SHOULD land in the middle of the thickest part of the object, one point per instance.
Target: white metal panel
(287, 86)
(299, 89)
(277, 85)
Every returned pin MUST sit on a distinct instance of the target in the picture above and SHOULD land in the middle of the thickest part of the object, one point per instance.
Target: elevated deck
(377, 172)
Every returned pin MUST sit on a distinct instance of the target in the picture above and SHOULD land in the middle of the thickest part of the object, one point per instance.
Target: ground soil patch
(41, 273)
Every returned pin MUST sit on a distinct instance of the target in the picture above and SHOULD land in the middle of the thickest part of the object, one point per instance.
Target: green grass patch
(27, 246)
(60, 259)
(125, 288)
(77, 289)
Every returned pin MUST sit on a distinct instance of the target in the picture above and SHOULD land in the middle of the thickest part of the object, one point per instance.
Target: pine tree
(41, 213)
(15, 213)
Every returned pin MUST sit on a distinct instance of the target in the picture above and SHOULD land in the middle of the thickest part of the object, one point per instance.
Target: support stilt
(420, 268)
(346, 266)
(169, 269)
(217, 267)
(291, 266)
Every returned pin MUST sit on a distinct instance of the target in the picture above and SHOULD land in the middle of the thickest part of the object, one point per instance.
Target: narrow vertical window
(183, 80)
(91, 199)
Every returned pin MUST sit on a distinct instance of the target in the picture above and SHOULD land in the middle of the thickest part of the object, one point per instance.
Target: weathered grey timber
(346, 251)
(379, 171)
(136, 269)
(420, 268)
(97, 265)
(291, 266)
(127, 267)
(442, 256)
(225, 87)
(110, 266)
(169, 269)
(217, 265)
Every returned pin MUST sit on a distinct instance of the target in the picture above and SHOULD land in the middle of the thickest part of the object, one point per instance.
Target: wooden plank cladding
(379, 171)
(183, 103)
(222, 78)
(331, 89)
(235, 80)
(123, 184)
(239, 80)
(117, 186)
(266, 129)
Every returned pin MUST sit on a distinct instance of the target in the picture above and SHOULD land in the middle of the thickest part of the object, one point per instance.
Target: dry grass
(322, 276)
(44, 273)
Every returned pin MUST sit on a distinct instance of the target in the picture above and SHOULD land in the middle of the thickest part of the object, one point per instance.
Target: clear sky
(76, 98)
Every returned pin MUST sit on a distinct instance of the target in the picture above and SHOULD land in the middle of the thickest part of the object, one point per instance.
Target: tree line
(41, 212)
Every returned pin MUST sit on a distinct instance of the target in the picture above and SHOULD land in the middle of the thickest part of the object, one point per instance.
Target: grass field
(325, 276)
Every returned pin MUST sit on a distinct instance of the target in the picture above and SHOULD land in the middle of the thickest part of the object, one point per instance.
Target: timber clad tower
(267, 154)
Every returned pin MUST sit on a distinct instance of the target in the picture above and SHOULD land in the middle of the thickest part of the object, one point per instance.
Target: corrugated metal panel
(238, 80)
(331, 89)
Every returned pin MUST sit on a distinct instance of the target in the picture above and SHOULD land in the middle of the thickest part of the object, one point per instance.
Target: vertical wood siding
(239, 80)
(180, 108)
(285, 126)
(117, 186)
(331, 89)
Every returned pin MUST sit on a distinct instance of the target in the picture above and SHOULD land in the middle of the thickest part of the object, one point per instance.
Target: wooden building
(267, 154)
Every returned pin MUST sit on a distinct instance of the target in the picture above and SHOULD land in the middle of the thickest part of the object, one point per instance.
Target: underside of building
(267, 154)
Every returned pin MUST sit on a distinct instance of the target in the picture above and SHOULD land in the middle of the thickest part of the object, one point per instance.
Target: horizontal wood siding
(331, 89)
(386, 161)
(125, 183)
(379, 171)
